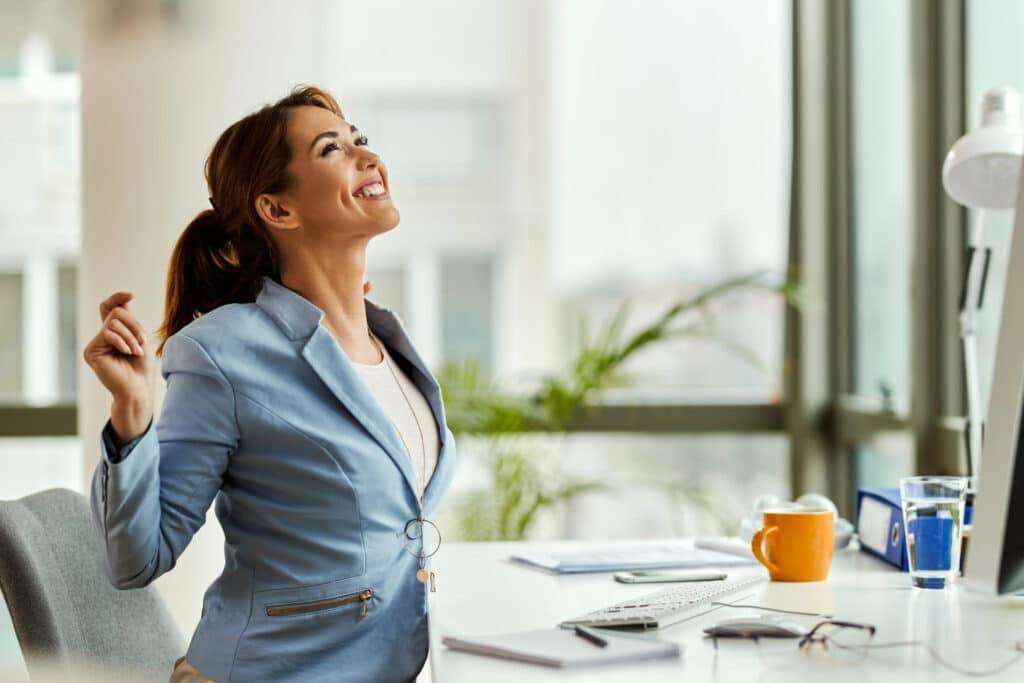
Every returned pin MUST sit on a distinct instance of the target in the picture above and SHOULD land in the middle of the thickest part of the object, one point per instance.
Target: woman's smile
(372, 190)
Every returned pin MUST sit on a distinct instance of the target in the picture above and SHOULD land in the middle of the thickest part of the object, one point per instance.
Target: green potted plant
(497, 421)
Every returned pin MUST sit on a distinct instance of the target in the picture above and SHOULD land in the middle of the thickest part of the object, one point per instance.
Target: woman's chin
(390, 222)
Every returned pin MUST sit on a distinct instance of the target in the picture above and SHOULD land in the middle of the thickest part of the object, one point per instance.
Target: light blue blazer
(265, 414)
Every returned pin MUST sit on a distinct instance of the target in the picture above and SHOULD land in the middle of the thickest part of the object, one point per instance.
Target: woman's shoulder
(226, 327)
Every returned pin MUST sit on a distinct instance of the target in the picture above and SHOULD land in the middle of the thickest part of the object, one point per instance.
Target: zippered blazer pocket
(321, 604)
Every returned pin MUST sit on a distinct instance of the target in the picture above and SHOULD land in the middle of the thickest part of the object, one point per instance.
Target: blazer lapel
(334, 368)
(389, 330)
(300, 319)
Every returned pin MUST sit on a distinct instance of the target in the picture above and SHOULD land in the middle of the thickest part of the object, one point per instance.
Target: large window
(668, 171)
(882, 226)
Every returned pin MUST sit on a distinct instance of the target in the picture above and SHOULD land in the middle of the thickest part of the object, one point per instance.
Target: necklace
(422, 575)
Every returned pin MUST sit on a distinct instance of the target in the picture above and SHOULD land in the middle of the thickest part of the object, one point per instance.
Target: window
(433, 138)
(67, 311)
(11, 337)
(659, 184)
(39, 230)
(881, 198)
(467, 309)
(882, 194)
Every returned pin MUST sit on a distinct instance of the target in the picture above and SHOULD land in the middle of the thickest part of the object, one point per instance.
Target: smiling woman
(275, 408)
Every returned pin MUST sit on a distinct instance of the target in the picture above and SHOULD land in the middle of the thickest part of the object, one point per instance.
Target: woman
(296, 403)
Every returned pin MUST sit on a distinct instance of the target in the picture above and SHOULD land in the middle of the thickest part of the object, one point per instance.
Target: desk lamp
(981, 172)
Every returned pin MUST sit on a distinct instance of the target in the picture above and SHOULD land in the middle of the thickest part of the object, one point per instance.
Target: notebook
(625, 557)
(563, 648)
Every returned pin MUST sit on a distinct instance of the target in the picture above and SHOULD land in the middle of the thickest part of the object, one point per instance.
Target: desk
(480, 592)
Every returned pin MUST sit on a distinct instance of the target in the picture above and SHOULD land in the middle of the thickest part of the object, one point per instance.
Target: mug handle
(756, 546)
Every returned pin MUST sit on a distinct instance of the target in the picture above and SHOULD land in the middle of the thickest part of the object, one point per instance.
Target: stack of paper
(627, 557)
(563, 648)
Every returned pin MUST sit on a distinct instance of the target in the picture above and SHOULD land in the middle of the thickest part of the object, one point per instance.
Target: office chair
(63, 606)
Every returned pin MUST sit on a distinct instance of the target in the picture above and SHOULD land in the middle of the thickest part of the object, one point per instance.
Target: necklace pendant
(422, 575)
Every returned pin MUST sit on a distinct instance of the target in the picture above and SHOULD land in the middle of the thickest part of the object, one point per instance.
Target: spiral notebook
(563, 648)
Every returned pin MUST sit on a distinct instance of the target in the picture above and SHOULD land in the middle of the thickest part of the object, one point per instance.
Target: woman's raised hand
(119, 355)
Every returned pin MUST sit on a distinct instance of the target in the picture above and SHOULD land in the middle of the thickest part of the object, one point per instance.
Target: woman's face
(339, 187)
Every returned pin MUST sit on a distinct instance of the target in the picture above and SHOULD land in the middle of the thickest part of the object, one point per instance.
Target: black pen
(587, 635)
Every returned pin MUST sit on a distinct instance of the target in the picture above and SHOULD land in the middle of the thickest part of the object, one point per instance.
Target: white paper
(873, 524)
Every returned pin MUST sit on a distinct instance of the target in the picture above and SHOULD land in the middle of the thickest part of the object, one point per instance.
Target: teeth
(371, 190)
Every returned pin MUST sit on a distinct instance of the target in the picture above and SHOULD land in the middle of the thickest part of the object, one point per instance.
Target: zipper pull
(365, 597)
(433, 583)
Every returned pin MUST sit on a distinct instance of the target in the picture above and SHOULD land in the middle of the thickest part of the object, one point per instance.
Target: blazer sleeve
(149, 499)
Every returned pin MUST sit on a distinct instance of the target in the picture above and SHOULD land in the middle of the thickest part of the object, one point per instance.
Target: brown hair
(225, 251)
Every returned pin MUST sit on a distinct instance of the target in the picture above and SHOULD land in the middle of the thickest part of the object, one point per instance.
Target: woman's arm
(150, 496)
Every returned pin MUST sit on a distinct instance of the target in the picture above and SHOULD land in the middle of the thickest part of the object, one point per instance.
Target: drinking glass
(933, 514)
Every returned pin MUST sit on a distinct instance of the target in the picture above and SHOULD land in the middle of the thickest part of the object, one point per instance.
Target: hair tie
(219, 237)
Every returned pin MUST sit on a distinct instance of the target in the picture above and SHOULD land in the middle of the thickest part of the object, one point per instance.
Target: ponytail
(205, 270)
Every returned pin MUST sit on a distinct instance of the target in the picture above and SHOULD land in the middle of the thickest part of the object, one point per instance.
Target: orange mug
(795, 544)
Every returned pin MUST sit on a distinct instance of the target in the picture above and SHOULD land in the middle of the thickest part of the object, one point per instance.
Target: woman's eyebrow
(330, 134)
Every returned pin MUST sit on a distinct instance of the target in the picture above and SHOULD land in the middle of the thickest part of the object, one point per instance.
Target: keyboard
(667, 606)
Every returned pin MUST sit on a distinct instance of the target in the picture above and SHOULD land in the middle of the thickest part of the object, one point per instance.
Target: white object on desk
(624, 557)
(670, 576)
(732, 545)
(750, 523)
(563, 648)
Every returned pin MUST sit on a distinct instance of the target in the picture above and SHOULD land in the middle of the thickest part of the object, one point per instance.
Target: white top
(381, 382)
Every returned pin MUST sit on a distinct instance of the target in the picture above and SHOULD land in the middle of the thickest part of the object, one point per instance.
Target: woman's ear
(275, 212)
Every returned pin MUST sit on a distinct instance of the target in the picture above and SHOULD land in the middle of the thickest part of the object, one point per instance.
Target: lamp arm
(971, 298)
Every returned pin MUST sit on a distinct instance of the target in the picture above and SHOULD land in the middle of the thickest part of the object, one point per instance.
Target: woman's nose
(368, 159)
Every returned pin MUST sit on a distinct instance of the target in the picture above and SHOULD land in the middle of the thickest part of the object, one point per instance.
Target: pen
(587, 635)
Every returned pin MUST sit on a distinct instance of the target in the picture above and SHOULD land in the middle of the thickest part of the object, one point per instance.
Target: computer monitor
(995, 551)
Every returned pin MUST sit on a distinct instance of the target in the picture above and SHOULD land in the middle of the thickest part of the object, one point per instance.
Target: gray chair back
(63, 606)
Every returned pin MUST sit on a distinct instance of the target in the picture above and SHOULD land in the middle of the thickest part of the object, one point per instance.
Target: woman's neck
(338, 292)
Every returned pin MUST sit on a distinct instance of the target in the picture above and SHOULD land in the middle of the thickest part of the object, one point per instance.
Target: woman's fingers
(128, 320)
(116, 341)
(113, 301)
(367, 286)
(121, 329)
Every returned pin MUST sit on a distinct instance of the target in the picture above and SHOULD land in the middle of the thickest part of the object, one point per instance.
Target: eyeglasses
(851, 636)
(841, 634)
(847, 635)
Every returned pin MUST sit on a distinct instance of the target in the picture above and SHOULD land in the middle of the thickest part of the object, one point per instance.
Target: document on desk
(626, 557)
(560, 647)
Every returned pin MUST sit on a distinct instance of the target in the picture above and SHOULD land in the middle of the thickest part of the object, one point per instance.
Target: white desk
(480, 592)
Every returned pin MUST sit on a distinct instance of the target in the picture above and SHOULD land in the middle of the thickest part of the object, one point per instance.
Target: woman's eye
(328, 147)
(361, 140)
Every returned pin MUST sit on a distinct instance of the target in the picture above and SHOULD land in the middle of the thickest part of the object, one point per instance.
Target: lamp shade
(982, 167)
